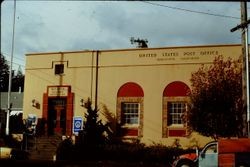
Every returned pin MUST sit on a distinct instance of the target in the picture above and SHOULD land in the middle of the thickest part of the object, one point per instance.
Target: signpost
(77, 125)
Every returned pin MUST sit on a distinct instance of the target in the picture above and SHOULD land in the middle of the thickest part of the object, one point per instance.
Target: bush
(92, 144)
(11, 142)
(137, 152)
(65, 150)
(120, 152)
(16, 124)
(19, 154)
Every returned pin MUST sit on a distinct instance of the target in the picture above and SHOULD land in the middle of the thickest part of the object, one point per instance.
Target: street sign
(77, 121)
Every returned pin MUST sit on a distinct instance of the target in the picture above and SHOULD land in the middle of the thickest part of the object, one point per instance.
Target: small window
(130, 113)
(175, 113)
(59, 69)
(211, 149)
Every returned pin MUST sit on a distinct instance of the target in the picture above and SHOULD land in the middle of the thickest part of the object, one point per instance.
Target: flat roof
(134, 49)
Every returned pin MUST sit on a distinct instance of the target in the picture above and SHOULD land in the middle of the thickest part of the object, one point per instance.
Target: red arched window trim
(130, 89)
(176, 88)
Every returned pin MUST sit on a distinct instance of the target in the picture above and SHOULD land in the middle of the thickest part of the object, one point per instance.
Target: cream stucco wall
(153, 69)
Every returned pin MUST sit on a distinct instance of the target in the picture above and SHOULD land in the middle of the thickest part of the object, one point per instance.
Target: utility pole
(245, 67)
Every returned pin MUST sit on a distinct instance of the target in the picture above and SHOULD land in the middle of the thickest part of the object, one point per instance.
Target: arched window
(175, 89)
(175, 99)
(130, 110)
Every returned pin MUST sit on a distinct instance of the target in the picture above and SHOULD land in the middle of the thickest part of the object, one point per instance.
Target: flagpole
(10, 73)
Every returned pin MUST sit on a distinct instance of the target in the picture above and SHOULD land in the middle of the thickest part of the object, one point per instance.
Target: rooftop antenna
(141, 43)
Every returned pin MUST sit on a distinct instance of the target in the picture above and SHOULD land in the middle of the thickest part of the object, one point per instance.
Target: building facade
(144, 91)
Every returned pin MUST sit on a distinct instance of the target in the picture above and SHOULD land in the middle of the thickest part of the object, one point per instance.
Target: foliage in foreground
(120, 152)
(94, 130)
(97, 143)
(216, 99)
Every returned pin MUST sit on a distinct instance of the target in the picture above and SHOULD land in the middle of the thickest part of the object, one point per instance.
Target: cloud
(45, 26)
(163, 27)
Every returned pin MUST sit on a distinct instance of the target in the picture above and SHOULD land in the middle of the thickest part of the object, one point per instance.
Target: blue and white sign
(77, 124)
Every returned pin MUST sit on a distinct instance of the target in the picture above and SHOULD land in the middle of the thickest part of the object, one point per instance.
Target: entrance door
(57, 116)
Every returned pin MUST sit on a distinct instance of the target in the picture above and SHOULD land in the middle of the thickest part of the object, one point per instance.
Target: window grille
(175, 113)
(130, 113)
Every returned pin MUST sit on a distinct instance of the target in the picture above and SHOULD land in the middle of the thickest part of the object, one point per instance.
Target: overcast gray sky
(47, 26)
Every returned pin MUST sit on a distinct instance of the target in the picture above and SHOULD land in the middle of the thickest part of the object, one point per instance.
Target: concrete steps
(44, 147)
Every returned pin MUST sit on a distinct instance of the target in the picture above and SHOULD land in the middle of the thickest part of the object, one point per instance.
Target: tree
(18, 81)
(91, 141)
(93, 128)
(216, 99)
(4, 74)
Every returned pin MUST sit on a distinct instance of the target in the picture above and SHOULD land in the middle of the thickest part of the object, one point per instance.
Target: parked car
(224, 152)
(5, 152)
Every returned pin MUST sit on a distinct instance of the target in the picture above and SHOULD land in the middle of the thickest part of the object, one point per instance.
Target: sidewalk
(42, 163)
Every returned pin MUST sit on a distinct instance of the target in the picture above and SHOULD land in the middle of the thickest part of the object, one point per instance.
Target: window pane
(59, 69)
(175, 112)
(130, 113)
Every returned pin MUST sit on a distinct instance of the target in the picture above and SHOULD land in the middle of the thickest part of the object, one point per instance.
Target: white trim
(130, 126)
(15, 112)
(176, 126)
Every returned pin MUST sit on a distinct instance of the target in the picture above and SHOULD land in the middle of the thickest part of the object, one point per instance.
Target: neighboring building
(16, 101)
(145, 90)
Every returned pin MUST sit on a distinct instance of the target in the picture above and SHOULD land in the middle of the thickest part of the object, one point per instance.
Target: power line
(192, 11)
(17, 64)
(18, 58)
(14, 62)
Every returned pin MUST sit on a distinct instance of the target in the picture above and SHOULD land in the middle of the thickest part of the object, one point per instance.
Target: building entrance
(57, 115)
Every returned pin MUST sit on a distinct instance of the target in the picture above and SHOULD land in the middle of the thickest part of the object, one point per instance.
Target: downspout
(91, 75)
(61, 76)
(96, 79)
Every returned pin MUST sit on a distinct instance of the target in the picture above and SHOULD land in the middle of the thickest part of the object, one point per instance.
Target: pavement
(44, 163)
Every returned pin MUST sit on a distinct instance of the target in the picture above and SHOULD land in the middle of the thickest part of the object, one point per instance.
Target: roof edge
(133, 49)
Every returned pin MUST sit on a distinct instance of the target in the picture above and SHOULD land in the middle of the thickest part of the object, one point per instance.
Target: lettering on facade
(165, 59)
(181, 55)
(58, 91)
(169, 54)
(213, 52)
(190, 58)
(148, 55)
(189, 53)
